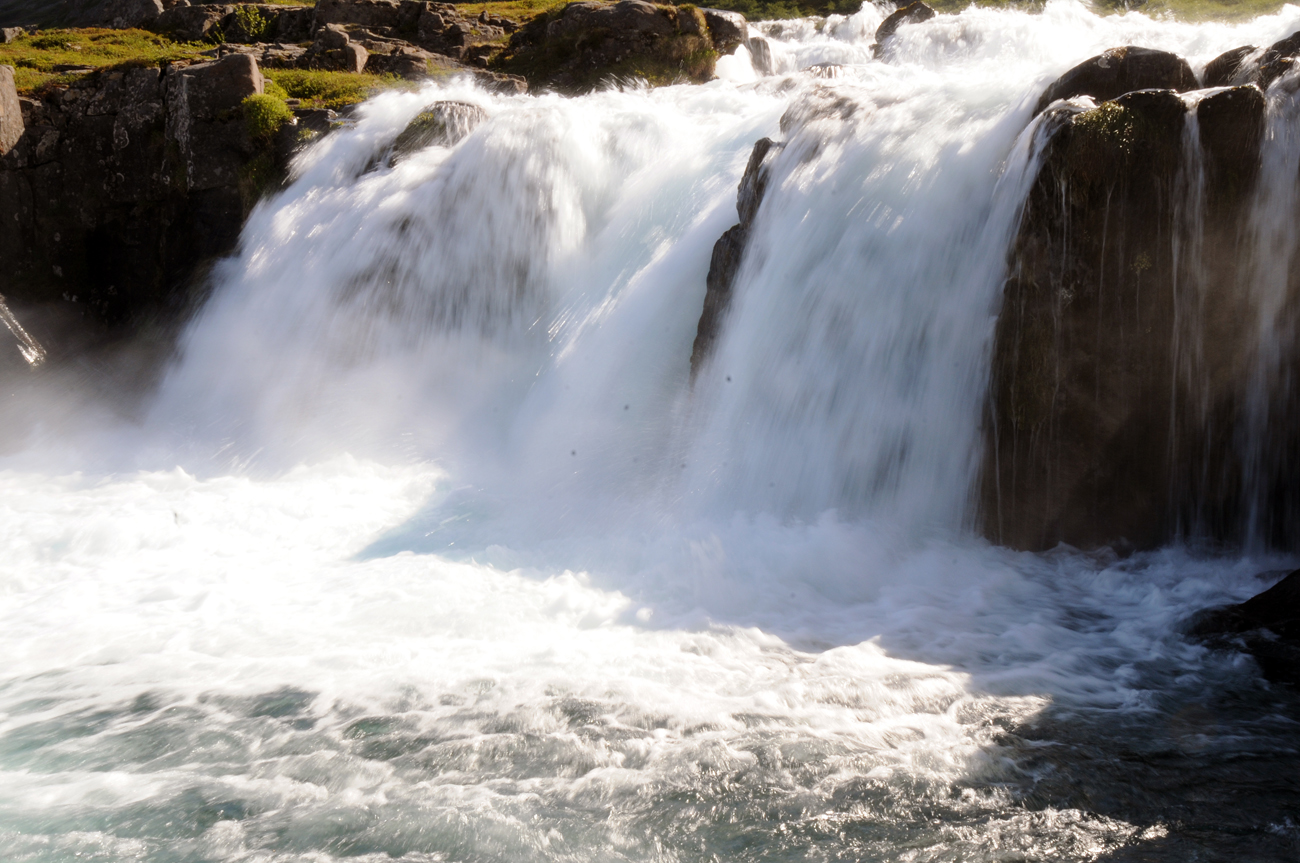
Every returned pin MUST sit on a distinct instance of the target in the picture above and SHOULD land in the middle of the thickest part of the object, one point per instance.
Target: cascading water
(459, 564)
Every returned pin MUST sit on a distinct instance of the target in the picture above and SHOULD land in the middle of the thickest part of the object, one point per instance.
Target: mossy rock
(441, 124)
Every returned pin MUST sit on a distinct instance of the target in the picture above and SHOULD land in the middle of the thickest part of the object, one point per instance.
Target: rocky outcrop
(729, 250)
(1119, 71)
(1250, 65)
(443, 124)
(231, 22)
(910, 13)
(574, 49)
(122, 185)
(1267, 626)
(1116, 360)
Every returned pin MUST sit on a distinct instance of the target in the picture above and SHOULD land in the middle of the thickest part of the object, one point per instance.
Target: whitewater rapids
(426, 548)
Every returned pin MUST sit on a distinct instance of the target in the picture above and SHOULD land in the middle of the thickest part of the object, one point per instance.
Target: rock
(912, 13)
(126, 182)
(1103, 427)
(589, 42)
(761, 55)
(1222, 71)
(120, 14)
(10, 34)
(11, 112)
(332, 36)
(355, 57)
(192, 23)
(1231, 126)
(367, 13)
(1119, 71)
(1267, 626)
(443, 124)
(728, 252)
(727, 29)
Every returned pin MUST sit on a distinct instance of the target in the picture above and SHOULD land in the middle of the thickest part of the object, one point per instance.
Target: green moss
(264, 115)
(331, 89)
(35, 56)
(257, 177)
(273, 89)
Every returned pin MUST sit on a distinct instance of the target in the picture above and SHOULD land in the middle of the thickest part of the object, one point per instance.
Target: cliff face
(119, 187)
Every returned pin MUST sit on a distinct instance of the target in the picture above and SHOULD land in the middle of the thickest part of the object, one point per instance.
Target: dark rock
(585, 43)
(1099, 430)
(11, 112)
(1231, 127)
(1119, 71)
(727, 29)
(1267, 626)
(912, 13)
(443, 124)
(761, 54)
(729, 251)
(124, 183)
(1223, 70)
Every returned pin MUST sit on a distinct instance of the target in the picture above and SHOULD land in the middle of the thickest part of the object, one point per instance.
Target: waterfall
(429, 546)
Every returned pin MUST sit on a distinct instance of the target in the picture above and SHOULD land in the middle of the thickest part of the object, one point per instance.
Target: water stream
(425, 547)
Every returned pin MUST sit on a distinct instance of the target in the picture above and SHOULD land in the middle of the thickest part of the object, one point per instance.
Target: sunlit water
(426, 547)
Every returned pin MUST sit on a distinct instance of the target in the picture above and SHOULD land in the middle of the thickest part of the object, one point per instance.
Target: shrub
(264, 115)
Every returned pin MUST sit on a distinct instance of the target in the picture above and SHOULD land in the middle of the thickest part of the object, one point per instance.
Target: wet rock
(728, 30)
(1223, 70)
(912, 13)
(728, 251)
(1267, 626)
(584, 44)
(1119, 71)
(442, 124)
(11, 113)
(761, 54)
(1102, 428)
(1231, 127)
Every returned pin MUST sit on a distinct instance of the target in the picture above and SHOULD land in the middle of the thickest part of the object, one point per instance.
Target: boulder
(11, 114)
(355, 57)
(1107, 401)
(761, 55)
(192, 23)
(442, 124)
(10, 34)
(1267, 626)
(1223, 70)
(727, 29)
(1119, 71)
(584, 44)
(912, 13)
(728, 251)
(205, 121)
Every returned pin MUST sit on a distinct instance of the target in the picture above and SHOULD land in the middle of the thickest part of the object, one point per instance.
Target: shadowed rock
(1119, 71)
(1267, 626)
(729, 250)
(1223, 70)
(912, 13)
(1104, 429)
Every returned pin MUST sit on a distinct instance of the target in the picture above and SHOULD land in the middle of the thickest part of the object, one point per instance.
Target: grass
(335, 90)
(34, 57)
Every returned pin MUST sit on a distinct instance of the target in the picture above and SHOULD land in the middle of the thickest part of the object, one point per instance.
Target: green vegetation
(330, 89)
(264, 114)
(36, 58)
(254, 25)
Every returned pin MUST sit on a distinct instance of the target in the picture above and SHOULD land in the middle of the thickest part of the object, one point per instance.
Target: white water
(425, 545)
